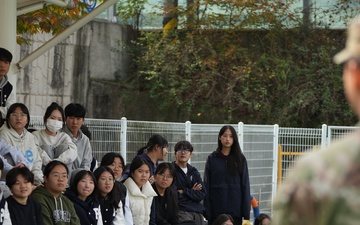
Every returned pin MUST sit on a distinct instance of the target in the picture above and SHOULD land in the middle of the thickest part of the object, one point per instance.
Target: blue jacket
(191, 199)
(88, 211)
(227, 193)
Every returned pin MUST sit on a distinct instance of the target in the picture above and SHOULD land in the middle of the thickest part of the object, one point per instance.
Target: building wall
(66, 72)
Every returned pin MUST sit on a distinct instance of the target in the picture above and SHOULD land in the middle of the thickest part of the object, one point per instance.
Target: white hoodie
(26, 144)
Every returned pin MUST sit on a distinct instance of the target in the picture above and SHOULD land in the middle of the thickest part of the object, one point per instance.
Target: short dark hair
(75, 109)
(50, 166)
(78, 176)
(51, 108)
(12, 109)
(183, 144)
(109, 158)
(5, 55)
(165, 165)
(14, 172)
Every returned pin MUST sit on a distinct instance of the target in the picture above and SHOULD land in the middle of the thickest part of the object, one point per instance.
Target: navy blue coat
(227, 193)
(190, 200)
(88, 211)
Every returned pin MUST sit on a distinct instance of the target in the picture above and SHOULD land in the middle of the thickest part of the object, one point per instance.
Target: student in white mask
(54, 144)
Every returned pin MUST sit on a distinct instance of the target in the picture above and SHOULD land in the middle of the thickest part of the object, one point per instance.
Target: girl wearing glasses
(116, 163)
(227, 180)
(55, 207)
(111, 206)
(15, 133)
(166, 201)
(82, 194)
(140, 192)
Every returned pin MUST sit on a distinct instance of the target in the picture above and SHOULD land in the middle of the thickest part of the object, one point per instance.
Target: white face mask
(54, 125)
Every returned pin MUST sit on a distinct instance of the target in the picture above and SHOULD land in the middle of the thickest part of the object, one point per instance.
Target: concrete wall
(66, 73)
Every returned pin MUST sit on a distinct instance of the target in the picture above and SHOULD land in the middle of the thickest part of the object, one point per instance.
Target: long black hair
(113, 195)
(109, 158)
(236, 158)
(51, 165)
(14, 172)
(154, 140)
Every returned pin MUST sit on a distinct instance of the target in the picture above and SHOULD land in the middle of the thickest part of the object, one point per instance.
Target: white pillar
(8, 34)
(275, 161)
(123, 139)
(241, 135)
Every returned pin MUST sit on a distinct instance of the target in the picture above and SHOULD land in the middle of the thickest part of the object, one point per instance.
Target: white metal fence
(261, 145)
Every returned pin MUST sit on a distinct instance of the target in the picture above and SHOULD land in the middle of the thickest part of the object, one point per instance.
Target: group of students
(181, 196)
(145, 192)
(33, 158)
(64, 142)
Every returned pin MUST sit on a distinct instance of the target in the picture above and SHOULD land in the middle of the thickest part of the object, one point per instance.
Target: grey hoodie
(84, 157)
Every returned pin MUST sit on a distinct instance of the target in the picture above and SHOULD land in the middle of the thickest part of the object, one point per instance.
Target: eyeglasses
(18, 114)
(58, 176)
(183, 150)
(116, 166)
(167, 176)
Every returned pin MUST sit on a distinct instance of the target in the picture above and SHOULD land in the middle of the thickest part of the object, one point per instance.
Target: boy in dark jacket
(23, 210)
(7, 96)
(189, 185)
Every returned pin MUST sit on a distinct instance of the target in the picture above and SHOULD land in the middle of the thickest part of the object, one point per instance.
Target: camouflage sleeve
(313, 192)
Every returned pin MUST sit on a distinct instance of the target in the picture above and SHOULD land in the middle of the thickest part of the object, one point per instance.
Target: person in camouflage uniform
(324, 187)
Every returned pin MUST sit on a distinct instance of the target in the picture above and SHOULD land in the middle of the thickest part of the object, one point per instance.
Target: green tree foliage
(252, 61)
(130, 11)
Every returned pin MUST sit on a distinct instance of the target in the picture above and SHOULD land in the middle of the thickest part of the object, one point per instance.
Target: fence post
(323, 136)
(241, 135)
(275, 160)
(123, 140)
(188, 133)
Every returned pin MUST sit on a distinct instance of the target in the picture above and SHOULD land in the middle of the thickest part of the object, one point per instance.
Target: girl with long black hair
(227, 179)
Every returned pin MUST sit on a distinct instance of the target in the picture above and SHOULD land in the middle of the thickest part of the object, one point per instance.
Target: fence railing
(270, 150)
